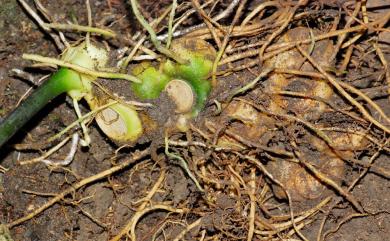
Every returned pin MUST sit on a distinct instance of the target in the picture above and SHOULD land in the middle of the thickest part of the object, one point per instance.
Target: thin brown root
(138, 215)
(252, 212)
(343, 92)
(137, 156)
(187, 229)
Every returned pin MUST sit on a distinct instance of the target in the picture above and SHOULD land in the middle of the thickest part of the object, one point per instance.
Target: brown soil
(261, 144)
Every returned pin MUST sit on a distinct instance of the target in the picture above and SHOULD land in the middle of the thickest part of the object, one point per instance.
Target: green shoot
(153, 82)
(79, 65)
(120, 122)
(62, 81)
(199, 57)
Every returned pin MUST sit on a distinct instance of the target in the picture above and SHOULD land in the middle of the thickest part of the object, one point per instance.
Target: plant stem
(62, 81)
(80, 69)
(88, 29)
(153, 36)
(170, 23)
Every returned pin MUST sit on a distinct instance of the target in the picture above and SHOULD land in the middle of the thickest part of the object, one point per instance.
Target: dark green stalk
(62, 81)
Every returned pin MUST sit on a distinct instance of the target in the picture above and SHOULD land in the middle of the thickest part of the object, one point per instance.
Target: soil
(246, 156)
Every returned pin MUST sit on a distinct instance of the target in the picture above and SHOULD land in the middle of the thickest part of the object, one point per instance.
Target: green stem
(153, 36)
(170, 23)
(62, 81)
(81, 28)
(79, 68)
